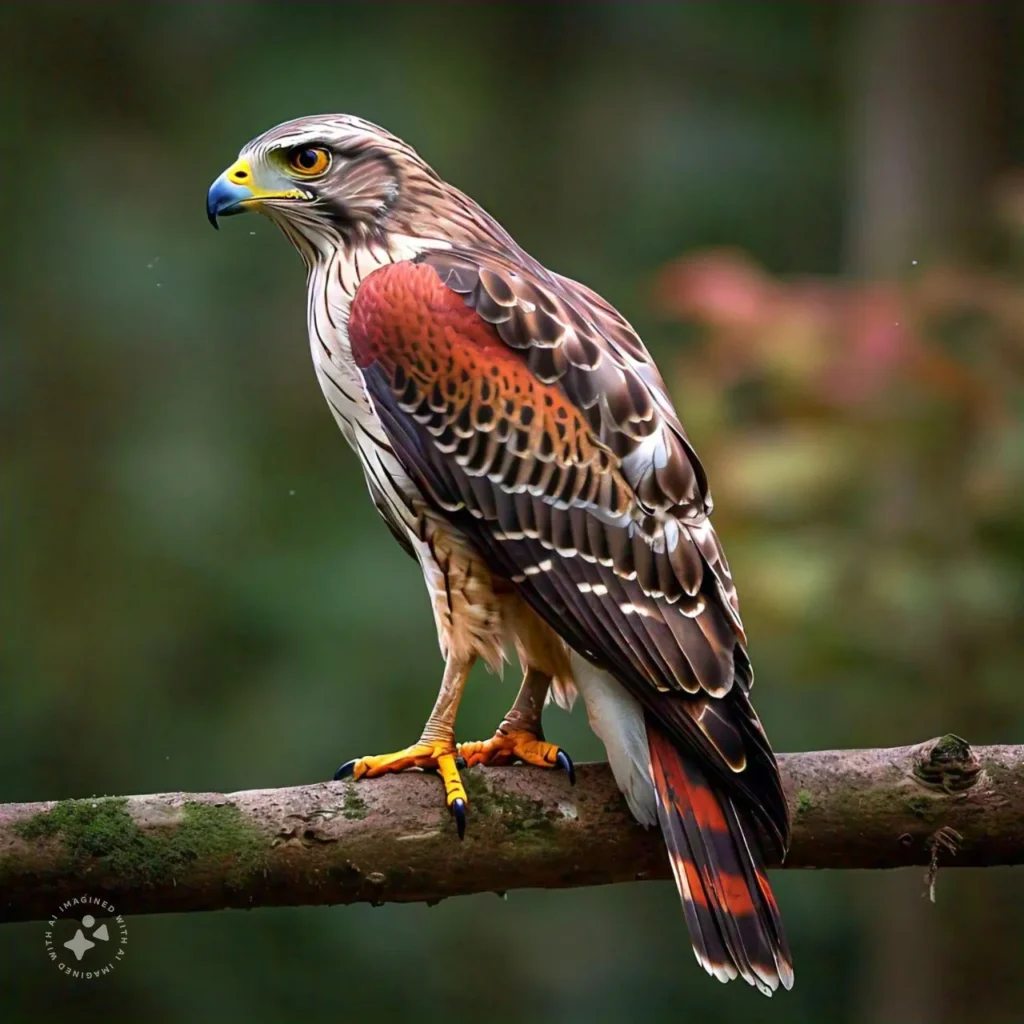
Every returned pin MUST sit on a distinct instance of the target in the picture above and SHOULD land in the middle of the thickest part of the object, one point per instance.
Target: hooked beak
(235, 191)
(225, 198)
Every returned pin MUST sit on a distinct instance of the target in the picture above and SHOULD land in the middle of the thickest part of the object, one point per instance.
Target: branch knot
(947, 763)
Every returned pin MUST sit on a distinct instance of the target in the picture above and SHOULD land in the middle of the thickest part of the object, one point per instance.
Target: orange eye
(309, 162)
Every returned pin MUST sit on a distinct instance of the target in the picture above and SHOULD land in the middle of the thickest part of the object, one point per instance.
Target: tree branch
(391, 840)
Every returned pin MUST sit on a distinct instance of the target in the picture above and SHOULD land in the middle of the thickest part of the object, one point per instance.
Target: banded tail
(716, 860)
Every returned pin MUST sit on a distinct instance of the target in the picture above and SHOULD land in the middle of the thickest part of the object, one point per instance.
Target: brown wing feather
(530, 413)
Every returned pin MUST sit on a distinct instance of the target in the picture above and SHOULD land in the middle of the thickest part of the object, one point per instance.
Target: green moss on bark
(523, 817)
(218, 832)
(102, 829)
(92, 828)
(353, 806)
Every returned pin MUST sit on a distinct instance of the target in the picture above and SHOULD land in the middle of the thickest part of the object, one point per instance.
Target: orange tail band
(716, 859)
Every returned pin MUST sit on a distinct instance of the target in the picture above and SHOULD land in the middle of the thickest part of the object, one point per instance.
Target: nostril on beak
(240, 175)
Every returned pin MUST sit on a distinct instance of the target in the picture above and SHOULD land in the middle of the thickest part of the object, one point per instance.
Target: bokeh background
(814, 213)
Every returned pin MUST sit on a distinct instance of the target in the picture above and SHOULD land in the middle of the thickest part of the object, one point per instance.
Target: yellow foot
(434, 756)
(506, 746)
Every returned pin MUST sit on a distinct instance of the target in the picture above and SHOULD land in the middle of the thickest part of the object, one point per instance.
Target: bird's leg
(435, 750)
(520, 735)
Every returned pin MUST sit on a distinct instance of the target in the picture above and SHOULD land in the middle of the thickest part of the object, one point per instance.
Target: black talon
(460, 762)
(458, 809)
(345, 770)
(564, 761)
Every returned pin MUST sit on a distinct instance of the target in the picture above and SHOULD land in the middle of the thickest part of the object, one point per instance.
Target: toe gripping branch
(425, 757)
(510, 744)
(454, 791)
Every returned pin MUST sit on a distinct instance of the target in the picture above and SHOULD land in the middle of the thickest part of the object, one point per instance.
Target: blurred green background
(812, 212)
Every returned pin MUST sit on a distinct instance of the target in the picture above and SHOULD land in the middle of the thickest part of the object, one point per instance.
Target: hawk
(520, 443)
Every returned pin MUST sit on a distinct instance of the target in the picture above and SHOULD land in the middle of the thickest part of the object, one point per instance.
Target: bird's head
(334, 181)
(327, 181)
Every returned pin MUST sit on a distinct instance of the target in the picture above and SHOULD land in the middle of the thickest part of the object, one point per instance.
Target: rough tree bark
(390, 840)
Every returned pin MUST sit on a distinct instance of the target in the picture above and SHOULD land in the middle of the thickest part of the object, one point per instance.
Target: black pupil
(307, 159)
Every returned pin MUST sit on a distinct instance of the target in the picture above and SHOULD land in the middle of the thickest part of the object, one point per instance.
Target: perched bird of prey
(521, 445)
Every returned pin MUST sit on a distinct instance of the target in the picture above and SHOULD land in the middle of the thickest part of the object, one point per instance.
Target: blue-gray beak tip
(225, 198)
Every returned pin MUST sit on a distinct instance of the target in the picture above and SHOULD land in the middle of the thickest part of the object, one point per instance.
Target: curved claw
(564, 761)
(458, 809)
(345, 770)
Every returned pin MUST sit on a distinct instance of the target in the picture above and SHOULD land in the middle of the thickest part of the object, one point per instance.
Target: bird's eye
(309, 161)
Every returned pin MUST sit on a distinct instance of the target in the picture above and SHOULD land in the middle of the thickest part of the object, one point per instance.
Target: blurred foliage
(200, 596)
(868, 454)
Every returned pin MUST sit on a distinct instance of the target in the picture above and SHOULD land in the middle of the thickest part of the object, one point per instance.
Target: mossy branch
(390, 840)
